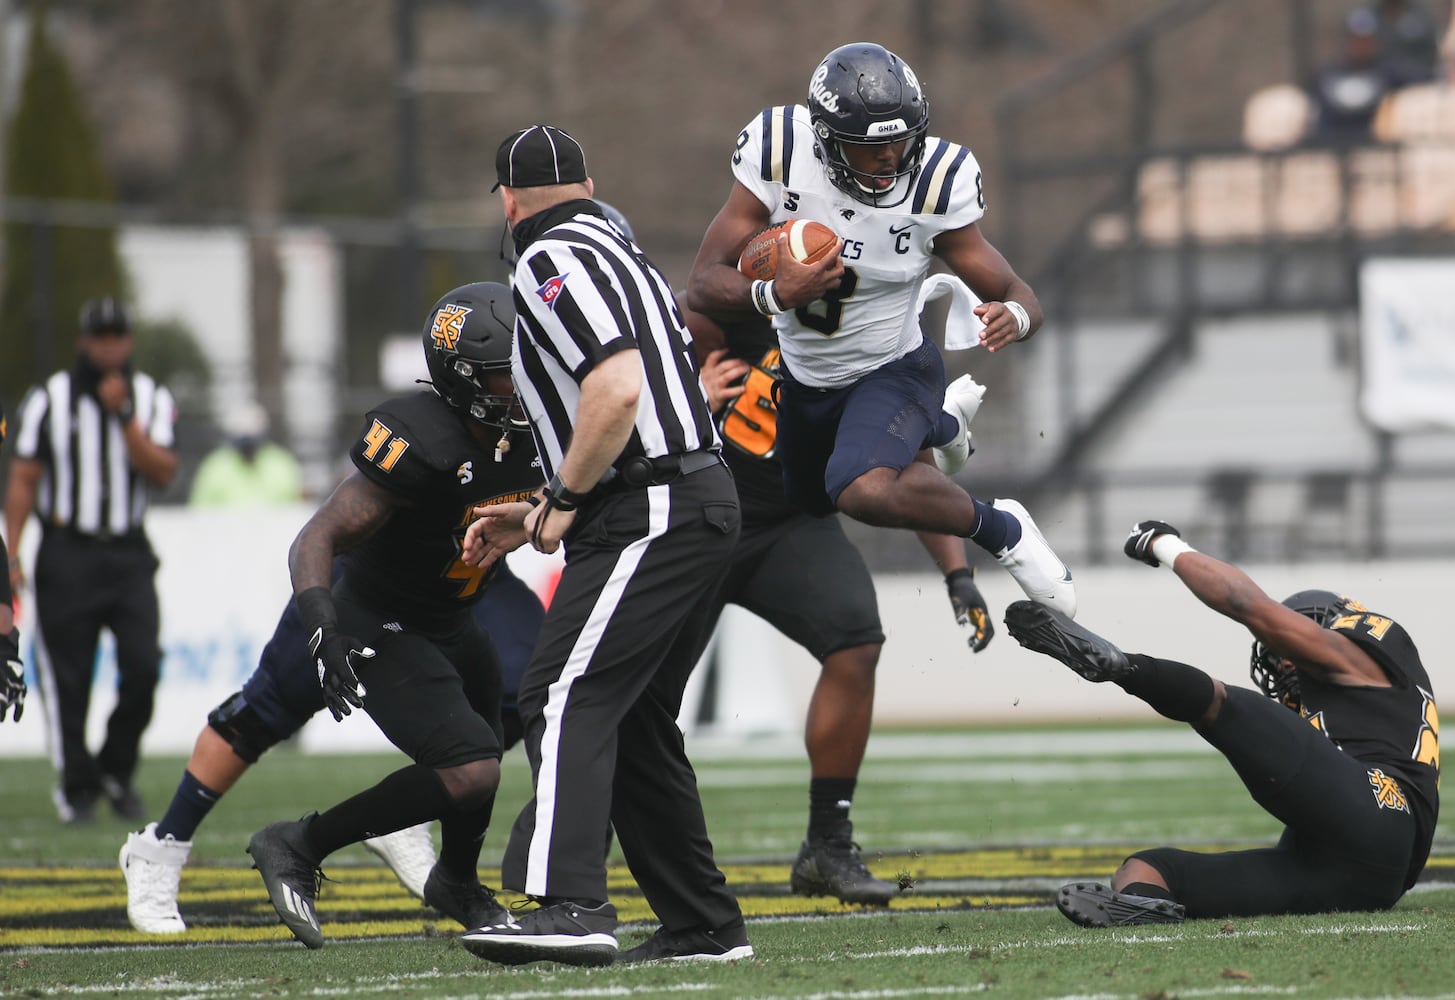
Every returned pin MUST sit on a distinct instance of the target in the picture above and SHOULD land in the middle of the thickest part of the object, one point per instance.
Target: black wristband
(315, 607)
(126, 410)
(955, 574)
(559, 497)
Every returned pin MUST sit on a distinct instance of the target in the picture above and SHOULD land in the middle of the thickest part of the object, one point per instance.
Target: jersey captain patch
(449, 321)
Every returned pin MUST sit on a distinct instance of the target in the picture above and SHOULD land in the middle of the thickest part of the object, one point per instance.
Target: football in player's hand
(808, 241)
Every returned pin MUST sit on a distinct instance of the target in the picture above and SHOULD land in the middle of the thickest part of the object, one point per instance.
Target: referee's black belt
(641, 471)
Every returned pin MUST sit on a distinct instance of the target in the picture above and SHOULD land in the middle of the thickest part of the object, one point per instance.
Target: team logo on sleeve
(1387, 791)
(449, 323)
(551, 290)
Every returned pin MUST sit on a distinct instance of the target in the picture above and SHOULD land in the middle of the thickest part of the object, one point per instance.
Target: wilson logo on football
(551, 290)
(449, 322)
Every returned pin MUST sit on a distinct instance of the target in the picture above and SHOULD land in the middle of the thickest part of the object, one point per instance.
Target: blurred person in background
(91, 442)
(395, 635)
(866, 423)
(1344, 750)
(1409, 40)
(12, 670)
(803, 576)
(247, 469)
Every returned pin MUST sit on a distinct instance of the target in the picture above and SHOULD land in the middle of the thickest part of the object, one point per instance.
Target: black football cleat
(1092, 904)
(291, 874)
(470, 903)
(832, 866)
(1045, 630)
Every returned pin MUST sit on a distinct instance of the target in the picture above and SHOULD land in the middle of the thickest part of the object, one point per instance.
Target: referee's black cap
(539, 155)
(104, 315)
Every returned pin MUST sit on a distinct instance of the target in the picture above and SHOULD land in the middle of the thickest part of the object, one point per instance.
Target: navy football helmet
(1269, 668)
(864, 94)
(468, 334)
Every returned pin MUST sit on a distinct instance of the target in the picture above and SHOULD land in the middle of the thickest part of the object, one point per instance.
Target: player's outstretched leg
(290, 871)
(410, 852)
(962, 400)
(1092, 904)
(153, 870)
(1030, 561)
(1046, 630)
(832, 866)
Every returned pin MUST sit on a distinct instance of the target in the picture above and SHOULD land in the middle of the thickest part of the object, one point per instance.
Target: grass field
(985, 824)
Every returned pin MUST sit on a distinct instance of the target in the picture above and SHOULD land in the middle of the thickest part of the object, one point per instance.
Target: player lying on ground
(1344, 750)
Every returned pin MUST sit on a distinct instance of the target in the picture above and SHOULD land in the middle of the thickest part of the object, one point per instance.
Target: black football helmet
(469, 333)
(1269, 668)
(864, 94)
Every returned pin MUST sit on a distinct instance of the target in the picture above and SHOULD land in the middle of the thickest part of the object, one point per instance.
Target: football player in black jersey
(1344, 750)
(804, 577)
(12, 671)
(395, 635)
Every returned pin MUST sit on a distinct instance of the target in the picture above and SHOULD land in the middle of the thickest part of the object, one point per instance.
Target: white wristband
(1022, 318)
(764, 298)
(1168, 547)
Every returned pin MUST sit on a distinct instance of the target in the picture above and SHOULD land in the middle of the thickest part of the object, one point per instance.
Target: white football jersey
(871, 320)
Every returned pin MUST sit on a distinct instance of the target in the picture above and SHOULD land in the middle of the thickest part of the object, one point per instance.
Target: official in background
(90, 444)
(649, 516)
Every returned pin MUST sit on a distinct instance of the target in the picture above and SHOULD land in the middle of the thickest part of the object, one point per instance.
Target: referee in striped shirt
(89, 444)
(649, 514)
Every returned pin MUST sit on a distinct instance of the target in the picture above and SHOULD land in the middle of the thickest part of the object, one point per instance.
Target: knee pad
(239, 724)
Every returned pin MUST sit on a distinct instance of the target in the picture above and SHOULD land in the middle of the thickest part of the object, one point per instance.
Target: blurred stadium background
(1249, 332)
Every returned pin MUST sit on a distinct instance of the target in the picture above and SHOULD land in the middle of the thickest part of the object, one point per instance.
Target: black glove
(336, 655)
(1139, 542)
(12, 676)
(970, 607)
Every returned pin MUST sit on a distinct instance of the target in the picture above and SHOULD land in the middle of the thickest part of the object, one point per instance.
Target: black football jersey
(759, 480)
(1396, 730)
(419, 448)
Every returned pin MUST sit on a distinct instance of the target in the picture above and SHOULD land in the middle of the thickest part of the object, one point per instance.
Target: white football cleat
(410, 852)
(153, 870)
(962, 400)
(1038, 570)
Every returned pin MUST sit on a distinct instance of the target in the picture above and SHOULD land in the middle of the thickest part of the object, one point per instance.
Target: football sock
(461, 836)
(189, 807)
(408, 797)
(947, 428)
(1173, 689)
(994, 530)
(829, 801)
(1146, 889)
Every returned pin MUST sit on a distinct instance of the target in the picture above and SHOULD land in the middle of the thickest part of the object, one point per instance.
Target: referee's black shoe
(469, 903)
(560, 930)
(290, 871)
(727, 943)
(832, 866)
(1046, 630)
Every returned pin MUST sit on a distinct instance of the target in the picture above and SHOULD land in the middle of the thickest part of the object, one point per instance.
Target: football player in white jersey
(865, 424)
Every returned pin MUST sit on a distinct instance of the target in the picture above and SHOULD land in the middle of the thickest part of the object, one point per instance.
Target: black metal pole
(411, 293)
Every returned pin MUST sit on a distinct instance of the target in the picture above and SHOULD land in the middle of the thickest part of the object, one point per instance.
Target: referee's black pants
(81, 585)
(600, 698)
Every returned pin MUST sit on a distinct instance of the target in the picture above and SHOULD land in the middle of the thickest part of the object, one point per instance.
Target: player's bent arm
(972, 257)
(156, 463)
(356, 509)
(716, 285)
(1231, 592)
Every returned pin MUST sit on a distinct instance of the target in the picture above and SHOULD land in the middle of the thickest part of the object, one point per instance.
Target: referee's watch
(126, 411)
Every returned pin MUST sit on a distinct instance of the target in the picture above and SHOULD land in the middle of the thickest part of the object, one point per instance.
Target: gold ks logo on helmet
(449, 323)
